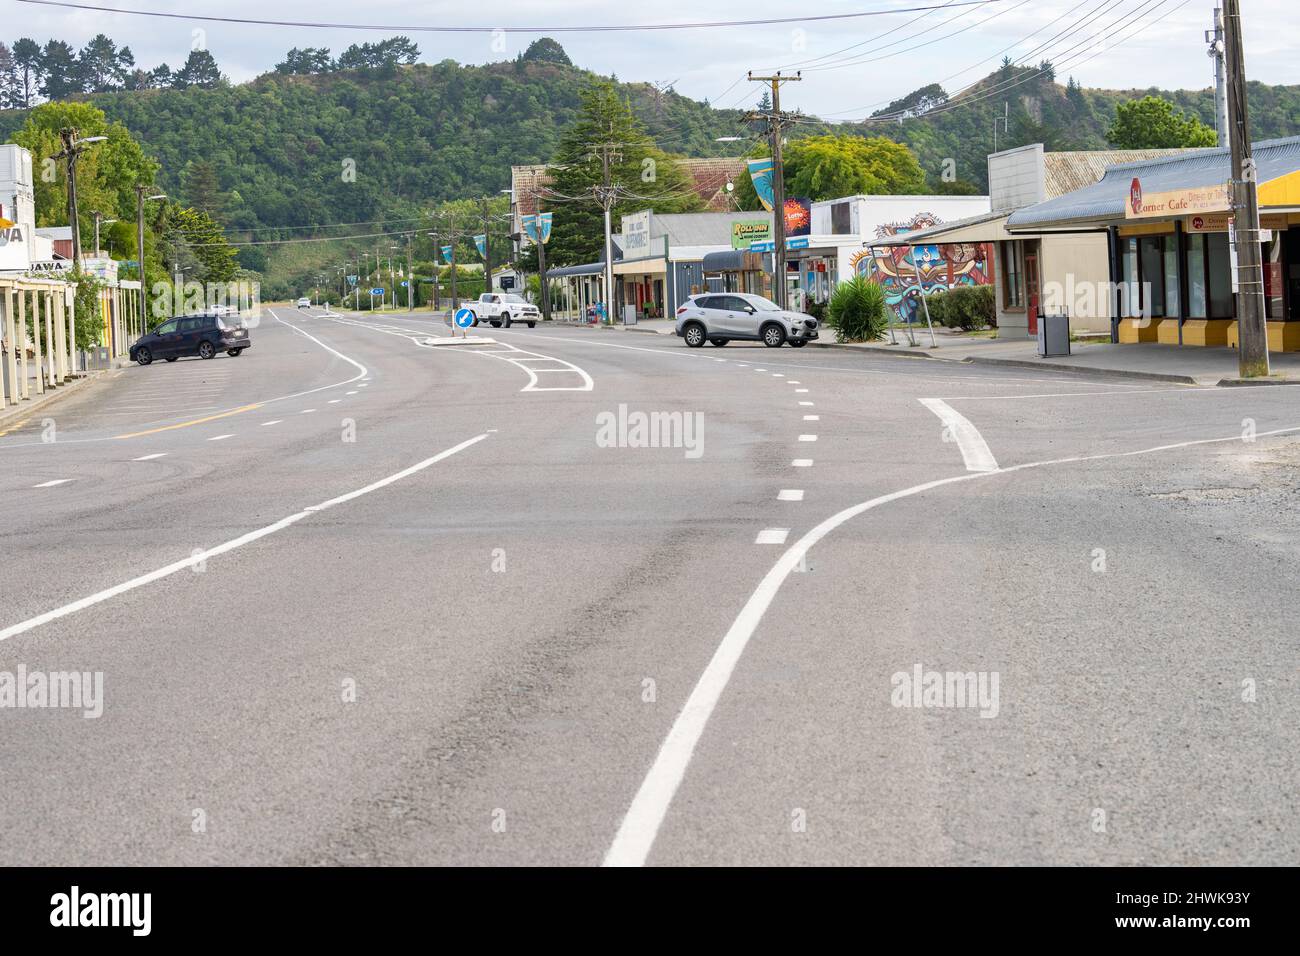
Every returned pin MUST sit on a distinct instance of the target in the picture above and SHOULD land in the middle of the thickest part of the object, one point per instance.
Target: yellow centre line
(196, 421)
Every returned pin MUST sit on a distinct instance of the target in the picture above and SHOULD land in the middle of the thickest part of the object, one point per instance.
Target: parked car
(304, 303)
(502, 308)
(719, 317)
(202, 335)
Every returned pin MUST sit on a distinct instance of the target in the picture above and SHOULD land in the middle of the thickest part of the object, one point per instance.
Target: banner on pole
(480, 243)
(446, 254)
(761, 171)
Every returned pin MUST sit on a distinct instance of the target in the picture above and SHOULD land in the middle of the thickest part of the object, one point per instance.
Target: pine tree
(62, 74)
(27, 59)
(10, 85)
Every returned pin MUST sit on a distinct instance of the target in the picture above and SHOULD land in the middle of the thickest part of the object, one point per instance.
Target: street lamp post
(73, 147)
(140, 199)
(100, 221)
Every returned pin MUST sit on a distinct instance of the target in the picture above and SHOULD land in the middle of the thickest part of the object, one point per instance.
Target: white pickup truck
(502, 308)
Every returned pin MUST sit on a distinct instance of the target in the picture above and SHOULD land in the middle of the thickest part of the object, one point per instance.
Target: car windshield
(763, 305)
(514, 298)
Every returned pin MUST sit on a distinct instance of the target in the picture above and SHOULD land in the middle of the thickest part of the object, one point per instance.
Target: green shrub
(941, 310)
(974, 307)
(857, 310)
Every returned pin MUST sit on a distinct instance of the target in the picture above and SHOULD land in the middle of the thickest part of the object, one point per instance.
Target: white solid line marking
(790, 494)
(221, 437)
(812, 418)
(157, 454)
(802, 463)
(273, 421)
(974, 451)
(353, 392)
(808, 404)
(772, 536)
(801, 390)
(56, 481)
(639, 828)
(778, 375)
(807, 437)
(230, 545)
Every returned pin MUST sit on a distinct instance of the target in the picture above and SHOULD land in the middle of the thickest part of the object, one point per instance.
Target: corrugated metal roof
(936, 233)
(1190, 169)
(1065, 172)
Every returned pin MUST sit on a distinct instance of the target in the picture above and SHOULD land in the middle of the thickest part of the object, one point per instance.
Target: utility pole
(541, 263)
(436, 269)
(776, 122)
(607, 193)
(410, 276)
(140, 199)
(1214, 38)
(1252, 328)
(487, 248)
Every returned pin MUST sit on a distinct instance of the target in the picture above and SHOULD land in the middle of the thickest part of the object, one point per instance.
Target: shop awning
(735, 260)
(1278, 174)
(588, 269)
(637, 267)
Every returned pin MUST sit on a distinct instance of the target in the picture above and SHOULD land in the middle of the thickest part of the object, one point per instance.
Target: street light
(73, 147)
(140, 200)
(100, 221)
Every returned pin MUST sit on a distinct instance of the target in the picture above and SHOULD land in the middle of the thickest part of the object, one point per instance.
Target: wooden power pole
(776, 123)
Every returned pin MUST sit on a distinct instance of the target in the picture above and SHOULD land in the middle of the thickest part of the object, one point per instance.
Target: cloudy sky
(850, 66)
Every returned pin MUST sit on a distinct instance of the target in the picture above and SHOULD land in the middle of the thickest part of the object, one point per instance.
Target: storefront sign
(636, 235)
(746, 232)
(1176, 202)
(1220, 222)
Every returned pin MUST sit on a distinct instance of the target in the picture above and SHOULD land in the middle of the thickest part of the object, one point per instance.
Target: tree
(194, 241)
(101, 66)
(161, 76)
(202, 188)
(1155, 123)
(546, 50)
(384, 54)
(765, 102)
(62, 74)
(10, 85)
(827, 167)
(27, 59)
(644, 176)
(308, 60)
(200, 70)
(106, 172)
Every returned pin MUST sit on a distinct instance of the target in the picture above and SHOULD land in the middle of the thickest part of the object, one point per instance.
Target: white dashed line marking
(812, 418)
(307, 411)
(157, 454)
(273, 421)
(56, 481)
(802, 463)
(350, 393)
(807, 437)
(772, 536)
(801, 390)
(807, 404)
(790, 494)
(793, 382)
(221, 437)
(778, 375)
(335, 401)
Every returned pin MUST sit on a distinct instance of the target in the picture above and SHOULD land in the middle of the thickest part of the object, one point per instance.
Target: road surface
(361, 599)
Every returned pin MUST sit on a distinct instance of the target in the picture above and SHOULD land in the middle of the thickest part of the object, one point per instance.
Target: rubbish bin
(1053, 335)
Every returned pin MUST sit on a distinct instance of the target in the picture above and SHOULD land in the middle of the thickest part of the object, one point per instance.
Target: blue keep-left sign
(376, 291)
(464, 318)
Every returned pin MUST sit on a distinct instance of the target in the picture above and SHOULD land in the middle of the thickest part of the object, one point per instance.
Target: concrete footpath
(1186, 365)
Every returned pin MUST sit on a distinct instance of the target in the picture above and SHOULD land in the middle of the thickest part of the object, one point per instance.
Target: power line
(598, 28)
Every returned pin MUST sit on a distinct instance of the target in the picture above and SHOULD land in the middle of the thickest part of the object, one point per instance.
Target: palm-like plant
(857, 310)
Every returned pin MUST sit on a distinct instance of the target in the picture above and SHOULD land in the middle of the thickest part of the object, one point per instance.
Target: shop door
(1031, 289)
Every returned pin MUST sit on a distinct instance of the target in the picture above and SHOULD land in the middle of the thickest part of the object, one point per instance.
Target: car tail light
(681, 310)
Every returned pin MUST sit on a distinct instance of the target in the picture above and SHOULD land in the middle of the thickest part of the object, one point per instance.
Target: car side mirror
(751, 310)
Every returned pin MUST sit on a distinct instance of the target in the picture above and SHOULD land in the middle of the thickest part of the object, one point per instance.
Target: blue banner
(446, 254)
(544, 221)
(533, 223)
(760, 171)
(480, 243)
(530, 227)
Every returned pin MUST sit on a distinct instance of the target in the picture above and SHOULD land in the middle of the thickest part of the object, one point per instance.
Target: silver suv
(719, 317)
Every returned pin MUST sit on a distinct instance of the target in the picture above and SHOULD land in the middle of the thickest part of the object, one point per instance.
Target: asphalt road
(360, 599)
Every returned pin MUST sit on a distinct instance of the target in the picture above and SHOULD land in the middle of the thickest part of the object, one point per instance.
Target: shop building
(1168, 227)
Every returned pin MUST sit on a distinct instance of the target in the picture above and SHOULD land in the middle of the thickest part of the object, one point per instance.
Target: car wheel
(206, 350)
(233, 353)
(798, 345)
(773, 336)
(505, 320)
(532, 325)
(694, 335)
(495, 325)
(719, 342)
(173, 358)
(143, 356)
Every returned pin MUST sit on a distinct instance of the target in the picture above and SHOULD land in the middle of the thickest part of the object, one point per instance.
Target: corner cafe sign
(1177, 202)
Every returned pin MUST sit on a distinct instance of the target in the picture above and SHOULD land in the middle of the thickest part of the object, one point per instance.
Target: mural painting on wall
(941, 266)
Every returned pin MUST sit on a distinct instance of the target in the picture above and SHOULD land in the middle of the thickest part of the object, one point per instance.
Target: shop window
(1218, 270)
(1173, 304)
(1151, 253)
(1013, 293)
(1132, 305)
(1196, 290)
(841, 217)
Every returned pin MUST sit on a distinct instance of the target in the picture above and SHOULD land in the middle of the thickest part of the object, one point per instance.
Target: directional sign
(404, 283)
(352, 280)
(376, 291)
(464, 318)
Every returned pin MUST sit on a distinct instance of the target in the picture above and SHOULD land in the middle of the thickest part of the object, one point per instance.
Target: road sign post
(462, 319)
